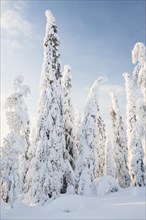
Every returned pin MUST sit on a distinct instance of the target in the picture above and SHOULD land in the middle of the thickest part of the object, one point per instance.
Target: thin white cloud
(13, 21)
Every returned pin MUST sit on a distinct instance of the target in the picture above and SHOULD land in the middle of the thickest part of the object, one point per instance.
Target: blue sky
(96, 39)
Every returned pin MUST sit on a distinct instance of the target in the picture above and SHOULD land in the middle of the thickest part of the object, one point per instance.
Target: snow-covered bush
(106, 185)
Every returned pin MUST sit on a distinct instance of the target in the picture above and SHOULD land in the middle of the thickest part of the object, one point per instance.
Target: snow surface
(126, 204)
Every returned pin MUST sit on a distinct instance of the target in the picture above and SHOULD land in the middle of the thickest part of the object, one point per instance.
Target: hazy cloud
(13, 21)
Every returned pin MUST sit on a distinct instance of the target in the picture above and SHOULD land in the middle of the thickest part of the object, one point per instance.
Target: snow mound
(106, 185)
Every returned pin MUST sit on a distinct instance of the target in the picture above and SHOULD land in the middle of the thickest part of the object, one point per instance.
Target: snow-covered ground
(125, 204)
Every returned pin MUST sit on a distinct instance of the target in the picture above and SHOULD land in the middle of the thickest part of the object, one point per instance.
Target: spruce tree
(135, 150)
(120, 144)
(15, 143)
(139, 58)
(101, 132)
(109, 159)
(77, 124)
(24, 163)
(92, 157)
(45, 176)
(139, 76)
(69, 129)
(77, 118)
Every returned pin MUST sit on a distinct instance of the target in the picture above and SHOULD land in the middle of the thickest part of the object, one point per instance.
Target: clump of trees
(66, 154)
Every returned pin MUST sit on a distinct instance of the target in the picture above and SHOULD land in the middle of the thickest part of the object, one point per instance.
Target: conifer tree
(139, 58)
(24, 162)
(45, 175)
(15, 143)
(120, 144)
(69, 129)
(139, 76)
(101, 132)
(135, 150)
(77, 118)
(109, 159)
(92, 157)
(68, 116)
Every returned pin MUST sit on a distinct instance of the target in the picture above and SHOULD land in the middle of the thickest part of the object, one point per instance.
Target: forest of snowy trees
(67, 153)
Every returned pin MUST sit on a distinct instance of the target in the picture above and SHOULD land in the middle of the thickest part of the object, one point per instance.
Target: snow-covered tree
(45, 175)
(101, 131)
(139, 76)
(77, 124)
(120, 144)
(109, 158)
(69, 120)
(15, 143)
(9, 181)
(23, 162)
(92, 156)
(139, 73)
(69, 127)
(136, 154)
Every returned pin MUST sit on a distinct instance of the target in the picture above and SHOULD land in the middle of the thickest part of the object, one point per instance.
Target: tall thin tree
(135, 150)
(139, 58)
(92, 157)
(69, 129)
(109, 158)
(45, 175)
(139, 76)
(120, 144)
